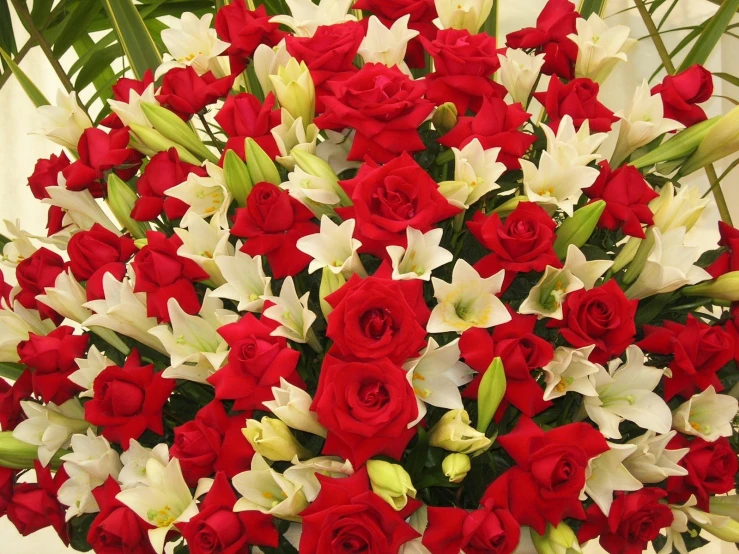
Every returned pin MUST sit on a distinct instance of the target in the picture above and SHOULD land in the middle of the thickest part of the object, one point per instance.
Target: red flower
(635, 520)
(94, 285)
(256, 362)
(627, 196)
(384, 105)
(366, 408)
(699, 351)
(244, 30)
(244, 116)
(46, 174)
(680, 93)
(7, 476)
(520, 350)
(5, 289)
(128, 400)
(122, 92)
(579, 100)
(34, 274)
(272, 224)
(729, 260)
(495, 126)
(186, 93)
(90, 250)
(483, 531)
(10, 400)
(544, 487)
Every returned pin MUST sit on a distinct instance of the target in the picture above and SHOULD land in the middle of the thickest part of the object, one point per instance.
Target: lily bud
(315, 166)
(16, 454)
(171, 127)
(725, 506)
(272, 439)
(121, 199)
(728, 532)
(330, 283)
(454, 433)
(463, 14)
(445, 117)
(456, 467)
(678, 147)
(640, 257)
(391, 483)
(578, 228)
(155, 141)
(726, 287)
(722, 140)
(292, 405)
(261, 168)
(237, 177)
(556, 540)
(491, 392)
(295, 90)
(507, 207)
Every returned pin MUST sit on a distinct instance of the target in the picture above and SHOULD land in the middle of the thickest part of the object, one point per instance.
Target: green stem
(25, 49)
(209, 131)
(718, 194)
(11, 371)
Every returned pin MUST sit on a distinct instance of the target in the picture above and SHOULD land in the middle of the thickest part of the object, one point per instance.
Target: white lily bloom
(76, 493)
(706, 415)
(80, 208)
(291, 312)
(599, 47)
(462, 14)
(316, 193)
(206, 196)
(606, 474)
(387, 46)
(88, 369)
(245, 281)
(135, 460)
(568, 372)
(292, 405)
(164, 503)
(546, 297)
(518, 73)
(588, 272)
(436, 377)
(476, 172)
(267, 61)
(304, 473)
(307, 17)
(295, 90)
(421, 257)
(335, 149)
(50, 427)
(293, 133)
(15, 325)
(333, 247)
(19, 247)
(63, 123)
(194, 44)
(714, 524)
(203, 244)
(651, 462)
(131, 112)
(468, 301)
(625, 392)
(67, 297)
(681, 208)
(573, 147)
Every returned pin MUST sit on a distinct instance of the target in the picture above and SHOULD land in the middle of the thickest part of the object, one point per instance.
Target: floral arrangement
(354, 279)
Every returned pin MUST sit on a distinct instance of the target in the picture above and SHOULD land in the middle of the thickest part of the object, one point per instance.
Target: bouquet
(360, 279)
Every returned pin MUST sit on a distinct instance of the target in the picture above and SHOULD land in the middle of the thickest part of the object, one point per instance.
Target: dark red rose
(728, 260)
(495, 126)
(375, 318)
(272, 223)
(366, 408)
(602, 316)
(117, 528)
(244, 30)
(128, 400)
(256, 363)
(680, 93)
(635, 520)
(579, 100)
(186, 93)
(34, 274)
(384, 105)
(122, 93)
(699, 351)
(5, 289)
(390, 198)
(162, 274)
(522, 244)
(55, 220)
(347, 517)
(10, 400)
(627, 196)
(164, 171)
(443, 534)
(555, 22)
(243, 115)
(90, 250)
(7, 476)
(490, 532)
(46, 174)
(94, 286)
(544, 487)
(521, 352)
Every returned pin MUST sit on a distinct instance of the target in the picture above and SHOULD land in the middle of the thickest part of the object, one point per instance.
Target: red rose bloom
(94, 286)
(272, 224)
(699, 351)
(495, 126)
(256, 363)
(5, 289)
(242, 116)
(187, 93)
(34, 274)
(90, 250)
(7, 476)
(375, 318)
(46, 174)
(128, 400)
(10, 400)
(544, 487)
(635, 520)
(244, 30)
(483, 531)
(627, 196)
(366, 408)
(680, 93)
(384, 105)
(122, 92)
(728, 260)
(579, 100)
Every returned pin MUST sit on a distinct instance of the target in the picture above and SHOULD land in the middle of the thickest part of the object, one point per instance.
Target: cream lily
(267, 61)
(651, 462)
(706, 415)
(600, 47)
(207, 197)
(131, 112)
(19, 247)
(335, 149)
(476, 173)
(293, 133)
(88, 369)
(569, 371)
(204, 244)
(454, 433)
(291, 312)
(63, 123)
(192, 43)
(606, 474)
(333, 247)
(79, 208)
(518, 73)
(547, 297)
(292, 405)
(294, 89)
(387, 46)
(67, 297)
(272, 439)
(15, 325)
(135, 459)
(307, 17)
(245, 281)
(316, 193)
(462, 14)
(304, 473)
(422, 255)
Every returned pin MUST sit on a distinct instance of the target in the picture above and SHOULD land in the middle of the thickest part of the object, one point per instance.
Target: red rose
(680, 93)
(347, 517)
(243, 115)
(164, 171)
(522, 244)
(555, 22)
(495, 126)
(463, 66)
(186, 93)
(443, 534)
(374, 318)
(162, 274)
(390, 198)
(10, 400)
(216, 528)
(5, 289)
(635, 520)
(272, 223)
(90, 250)
(46, 174)
(117, 528)
(627, 196)
(545, 485)
(384, 105)
(579, 100)
(699, 351)
(483, 531)
(256, 363)
(94, 285)
(128, 400)
(366, 408)
(34, 274)
(244, 30)
(602, 316)
(7, 476)
(729, 260)
(122, 92)
(51, 357)
(521, 352)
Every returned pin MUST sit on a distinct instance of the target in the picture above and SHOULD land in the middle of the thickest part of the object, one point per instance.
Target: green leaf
(133, 35)
(98, 66)
(7, 37)
(41, 11)
(711, 35)
(733, 79)
(588, 7)
(75, 25)
(11, 371)
(30, 89)
(680, 46)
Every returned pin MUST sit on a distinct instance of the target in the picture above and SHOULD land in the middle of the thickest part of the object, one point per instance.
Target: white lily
(295, 90)
(192, 43)
(573, 147)
(625, 392)
(245, 281)
(267, 61)
(333, 247)
(76, 493)
(421, 257)
(606, 473)
(599, 47)
(588, 272)
(19, 247)
(307, 17)
(681, 208)
(316, 193)
(546, 297)
(292, 405)
(291, 312)
(518, 73)
(80, 208)
(706, 415)
(468, 301)
(135, 460)
(88, 369)
(67, 297)
(63, 123)
(15, 325)
(335, 149)
(293, 133)
(207, 197)
(387, 46)
(436, 377)
(476, 173)
(462, 14)
(131, 112)
(204, 244)
(651, 462)
(304, 473)
(569, 371)
(273, 439)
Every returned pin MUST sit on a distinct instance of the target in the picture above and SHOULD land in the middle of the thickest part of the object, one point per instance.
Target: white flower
(335, 149)
(573, 147)
(291, 312)
(206, 196)
(462, 14)
(245, 281)
(599, 47)
(476, 172)
(204, 244)
(316, 193)
(333, 247)
(387, 46)
(651, 462)
(80, 208)
(295, 90)
(88, 369)
(706, 415)
(546, 298)
(292, 133)
(468, 301)
(678, 209)
(292, 405)
(588, 272)
(15, 325)
(307, 17)
(625, 392)
(67, 297)
(273, 439)
(606, 473)
(267, 61)
(131, 112)
(135, 460)
(436, 377)
(194, 44)
(63, 123)
(76, 493)
(19, 247)
(421, 257)
(518, 73)
(304, 473)
(569, 371)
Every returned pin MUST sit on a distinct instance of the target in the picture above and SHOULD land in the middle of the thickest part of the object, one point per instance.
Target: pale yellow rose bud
(456, 466)
(272, 439)
(391, 483)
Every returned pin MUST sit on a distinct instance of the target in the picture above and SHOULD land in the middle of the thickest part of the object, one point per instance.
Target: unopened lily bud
(728, 532)
(272, 439)
(121, 199)
(726, 287)
(237, 177)
(171, 127)
(678, 147)
(391, 483)
(640, 257)
(156, 142)
(295, 91)
(330, 283)
(313, 165)
(722, 140)
(454, 433)
(509, 206)
(725, 506)
(556, 540)
(292, 405)
(456, 466)
(261, 168)
(16, 454)
(519, 72)
(491, 392)
(445, 117)
(463, 14)
(578, 228)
